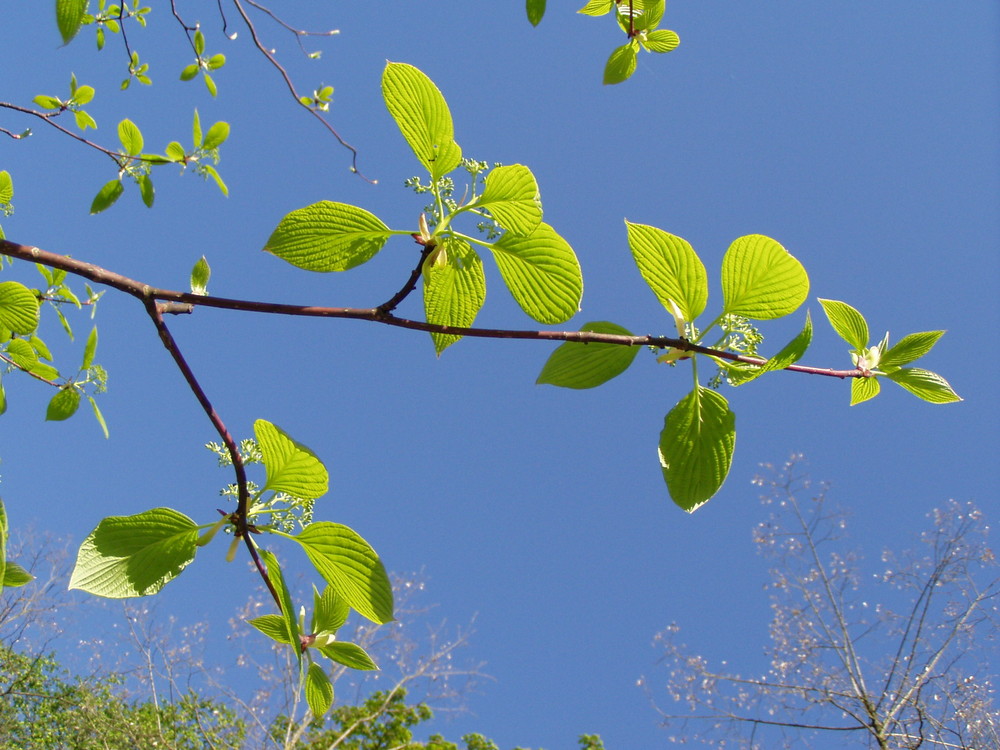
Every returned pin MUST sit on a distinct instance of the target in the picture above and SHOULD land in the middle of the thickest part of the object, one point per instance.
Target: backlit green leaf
(329, 611)
(273, 626)
(328, 236)
(216, 136)
(511, 195)
(6, 187)
(69, 17)
(863, 389)
(542, 273)
(63, 405)
(671, 268)
(200, 275)
(18, 308)
(130, 137)
(14, 575)
(662, 40)
(621, 64)
(909, 348)
(291, 466)
(454, 288)
(790, 354)
(288, 614)
(597, 7)
(849, 324)
(90, 349)
(319, 690)
(578, 365)
(136, 555)
(349, 654)
(22, 354)
(761, 280)
(349, 564)
(925, 385)
(696, 447)
(423, 117)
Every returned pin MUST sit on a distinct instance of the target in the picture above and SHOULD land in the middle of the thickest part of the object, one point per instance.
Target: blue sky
(862, 136)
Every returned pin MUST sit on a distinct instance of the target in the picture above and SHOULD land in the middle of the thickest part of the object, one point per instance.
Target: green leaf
(849, 324)
(511, 195)
(349, 564)
(329, 611)
(22, 354)
(216, 136)
(196, 130)
(83, 95)
(189, 72)
(210, 171)
(107, 196)
(90, 349)
(69, 17)
(578, 365)
(662, 40)
(621, 64)
(136, 555)
(925, 385)
(98, 416)
(84, 120)
(146, 190)
(423, 117)
(454, 288)
(199, 43)
(909, 348)
(47, 102)
(273, 626)
(216, 61)
(863, 389)
(200, 275)
(175, 151)
(671, 268)
(63, 405)
(535, 10)
(18, 308)
(291, 466)
(651, 15)
(696, 447)
(3, 399)
(40, 347)
(597, 7)
(761, 280)
(349, 654)
(14, 575)
(131, 137)
(328, 236)
(790, 354)
(6, 187)
(291, 622)
(319, 690)
(210, 85)
(542, 272)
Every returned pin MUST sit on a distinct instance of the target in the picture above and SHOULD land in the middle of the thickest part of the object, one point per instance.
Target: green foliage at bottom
(385, 720)
(42, 707)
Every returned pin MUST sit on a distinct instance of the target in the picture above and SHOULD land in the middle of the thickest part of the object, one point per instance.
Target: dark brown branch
(411, 283)
(143, 291)
(241, 515)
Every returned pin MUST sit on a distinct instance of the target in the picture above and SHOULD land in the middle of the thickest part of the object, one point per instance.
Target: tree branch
(143, 291)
